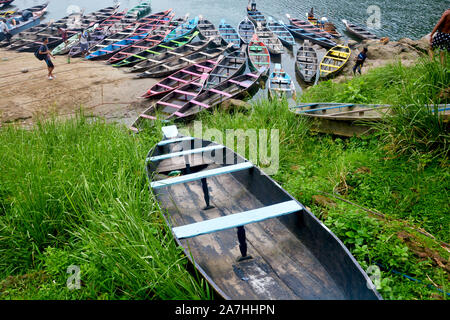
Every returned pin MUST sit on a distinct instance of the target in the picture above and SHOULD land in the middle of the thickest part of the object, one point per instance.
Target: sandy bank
(102, 90)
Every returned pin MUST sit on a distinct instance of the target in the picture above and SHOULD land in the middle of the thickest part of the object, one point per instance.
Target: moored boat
(229, 34)
(306, 63)
(182, 30)
(335, 59)
(141, 10)
(208, 31)
(284, 251)
(280, 83)
(269, 39)
(281, 32)
(229, 67)
(311, 36)
(255, 15)
(258, 55)
(246, 30)
(359, 31)
(20, 22)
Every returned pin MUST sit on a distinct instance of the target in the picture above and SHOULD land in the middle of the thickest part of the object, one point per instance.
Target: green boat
(64, 48)
(156, 50)
(141, 10)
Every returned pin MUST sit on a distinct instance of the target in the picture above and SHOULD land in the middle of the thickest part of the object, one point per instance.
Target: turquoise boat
(229, 34)
(110, 50)
(141, 10)
(280, 83)
(182, 30)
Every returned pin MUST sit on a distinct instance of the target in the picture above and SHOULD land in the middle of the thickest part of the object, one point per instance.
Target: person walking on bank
(360, 59)
(46, 54)
(441, 33)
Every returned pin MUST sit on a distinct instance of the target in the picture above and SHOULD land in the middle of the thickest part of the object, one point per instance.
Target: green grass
(75, 193)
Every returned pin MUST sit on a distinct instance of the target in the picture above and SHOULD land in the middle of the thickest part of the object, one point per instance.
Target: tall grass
(76, 193)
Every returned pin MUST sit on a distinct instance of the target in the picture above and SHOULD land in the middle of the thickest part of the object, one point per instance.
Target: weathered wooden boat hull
(347, 119)
(306, 63)
(359, 31)
(305, 35)
(258, 55)
(293, 255)
(246, 30)
(334, 61)
(208, 31)
(229, 34)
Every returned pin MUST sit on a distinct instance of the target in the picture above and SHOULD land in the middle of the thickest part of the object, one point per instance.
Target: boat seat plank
(201, 174)
(236, 220)
(176, 140)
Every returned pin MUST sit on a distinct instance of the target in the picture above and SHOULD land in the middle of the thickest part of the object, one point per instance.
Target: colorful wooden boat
(109, 50)
(173, 101)
(229, 67)
(306, 63)
(281, 32)
(165, 69)
(280, 250)
(182, 30)
(65, 47)
(258, 55)
(280, 83)
(10, 13)
(141, 10)
(5, 3)
(21, 24)
(359, 31)
(270, 40)
(246, 30)
(208, 31)
(240, 87)
(136, 48)
(229, 34)
(325, 25)
(31, 41)
(255, 15)
(177, 80)
(311, 36)
(164, 54)
(334, 60)
(348, 119)
(306, 25)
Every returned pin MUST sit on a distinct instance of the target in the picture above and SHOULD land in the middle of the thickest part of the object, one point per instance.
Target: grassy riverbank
(75, 193)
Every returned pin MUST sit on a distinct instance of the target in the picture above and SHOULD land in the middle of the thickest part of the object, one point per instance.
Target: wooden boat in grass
(240, 87)
(160, 56)
(349, 119)
(303, 34)
(335, 59)
(173, 101)
(270, 40)
(281, 32)
(141, 10)
(254, 14)
(359, 31)
(229, 34)
(246, 30)
(306, 63)
(258, 55)
(182, 30)
(208, 31)
(229, 67)
(165, 69)
(21, 24)
(248, 238)
(280, 83)
(136, 48)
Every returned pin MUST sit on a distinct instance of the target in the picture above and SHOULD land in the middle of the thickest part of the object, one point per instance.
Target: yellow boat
(334, 60)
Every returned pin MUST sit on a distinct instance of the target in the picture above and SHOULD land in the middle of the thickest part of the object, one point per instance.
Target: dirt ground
(101, 90)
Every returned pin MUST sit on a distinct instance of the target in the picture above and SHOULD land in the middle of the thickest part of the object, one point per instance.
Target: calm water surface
(399, 18)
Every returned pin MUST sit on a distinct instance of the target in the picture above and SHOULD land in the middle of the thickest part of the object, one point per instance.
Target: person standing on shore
(5, 30)
(84, 43)
(441, 33)
(360, 59)
(63, 34)
(46, 54)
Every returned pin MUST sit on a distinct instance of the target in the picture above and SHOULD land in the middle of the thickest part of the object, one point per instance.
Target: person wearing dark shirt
(360, 59)
(5, 30)
(26, 14)
(43, 51)
(441, 33)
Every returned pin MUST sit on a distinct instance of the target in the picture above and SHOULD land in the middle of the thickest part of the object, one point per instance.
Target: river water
(398, 18)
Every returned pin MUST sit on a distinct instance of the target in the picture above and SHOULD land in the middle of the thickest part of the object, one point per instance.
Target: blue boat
(22, 23)
(110, 50)
(229, 34)
(280, 83)
(255, 15)
(182, 30)
(281, 32)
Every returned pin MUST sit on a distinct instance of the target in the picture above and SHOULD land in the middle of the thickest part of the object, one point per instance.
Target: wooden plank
(236, 220)
(201, 174)
(166, 142)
